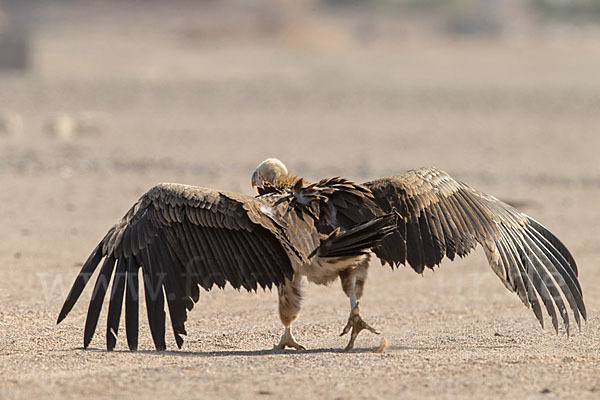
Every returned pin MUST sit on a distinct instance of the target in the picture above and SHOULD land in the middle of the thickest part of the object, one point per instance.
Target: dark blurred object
(455, 17)
(364, 3)
(475, 17)
(14, 43)
(568, 8)
(14, 50)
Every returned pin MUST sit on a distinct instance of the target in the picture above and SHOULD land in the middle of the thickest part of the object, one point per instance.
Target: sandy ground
(518, 119)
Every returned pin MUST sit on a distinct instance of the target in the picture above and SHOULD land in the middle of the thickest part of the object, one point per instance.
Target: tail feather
(358, 240)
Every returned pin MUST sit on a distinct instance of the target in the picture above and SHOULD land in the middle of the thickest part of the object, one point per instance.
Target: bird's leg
(290, 297)
(355, 322)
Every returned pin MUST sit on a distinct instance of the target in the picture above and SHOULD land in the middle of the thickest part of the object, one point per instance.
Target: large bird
(186, 237)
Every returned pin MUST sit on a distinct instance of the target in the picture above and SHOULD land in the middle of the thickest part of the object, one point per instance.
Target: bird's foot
(357, 324)
(288, 340)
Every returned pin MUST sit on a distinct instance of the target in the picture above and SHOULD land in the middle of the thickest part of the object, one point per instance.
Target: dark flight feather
(528, 259)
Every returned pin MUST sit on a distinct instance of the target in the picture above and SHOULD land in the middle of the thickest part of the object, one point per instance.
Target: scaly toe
(288, 340)
(298, 346)
(364, 325)
(294, 345)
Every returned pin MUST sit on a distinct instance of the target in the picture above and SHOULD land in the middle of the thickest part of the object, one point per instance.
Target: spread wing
(182, 237)
(439, 217)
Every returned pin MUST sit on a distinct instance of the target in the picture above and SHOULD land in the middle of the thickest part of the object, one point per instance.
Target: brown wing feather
(439, 217)
(183, 237)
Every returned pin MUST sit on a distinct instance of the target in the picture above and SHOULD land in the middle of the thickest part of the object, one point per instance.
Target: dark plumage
(185, 237)
(442, 217)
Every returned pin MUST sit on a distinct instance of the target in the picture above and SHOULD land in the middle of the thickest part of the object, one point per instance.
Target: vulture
(184, 238)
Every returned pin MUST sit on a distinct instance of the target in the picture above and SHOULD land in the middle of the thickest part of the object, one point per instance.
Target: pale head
(269, 171)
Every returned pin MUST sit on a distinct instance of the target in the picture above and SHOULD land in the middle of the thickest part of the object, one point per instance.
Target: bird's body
(185, 237)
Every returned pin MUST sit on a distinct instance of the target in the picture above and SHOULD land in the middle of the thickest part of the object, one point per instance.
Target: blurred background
(213, 87)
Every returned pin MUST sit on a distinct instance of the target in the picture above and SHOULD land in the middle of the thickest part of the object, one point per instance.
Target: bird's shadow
(272, 352)
(232, 353)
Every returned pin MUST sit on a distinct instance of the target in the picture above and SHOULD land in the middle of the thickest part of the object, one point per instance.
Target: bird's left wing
(439, 216)
(181, 237)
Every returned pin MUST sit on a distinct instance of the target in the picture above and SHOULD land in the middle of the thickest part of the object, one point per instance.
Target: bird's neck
(281, 183)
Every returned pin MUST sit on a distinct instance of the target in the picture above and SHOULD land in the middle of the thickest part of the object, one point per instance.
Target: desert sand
(117, 103)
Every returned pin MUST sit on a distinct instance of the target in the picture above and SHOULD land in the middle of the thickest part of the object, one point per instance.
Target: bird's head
(271, 170)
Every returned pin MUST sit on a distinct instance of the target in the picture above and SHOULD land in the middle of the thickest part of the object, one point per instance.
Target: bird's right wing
(182, 237)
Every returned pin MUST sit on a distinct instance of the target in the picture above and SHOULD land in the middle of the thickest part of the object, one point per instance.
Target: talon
(357, 324)
(346, 329)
